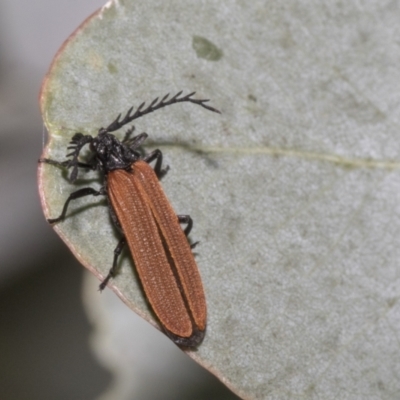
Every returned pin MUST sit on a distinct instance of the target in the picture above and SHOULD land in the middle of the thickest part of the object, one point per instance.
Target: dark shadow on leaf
(212, 162)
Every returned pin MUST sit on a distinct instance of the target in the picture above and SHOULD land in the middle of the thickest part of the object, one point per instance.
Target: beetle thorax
(111, 153)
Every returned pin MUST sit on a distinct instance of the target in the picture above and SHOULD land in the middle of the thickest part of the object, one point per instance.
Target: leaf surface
(294, 189)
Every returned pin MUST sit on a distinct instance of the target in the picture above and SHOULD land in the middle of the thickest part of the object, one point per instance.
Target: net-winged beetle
(140, 209)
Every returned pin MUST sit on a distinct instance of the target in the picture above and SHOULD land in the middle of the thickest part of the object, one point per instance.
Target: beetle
(141, 212)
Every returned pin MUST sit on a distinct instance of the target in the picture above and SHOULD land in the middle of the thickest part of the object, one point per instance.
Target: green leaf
(294, 189)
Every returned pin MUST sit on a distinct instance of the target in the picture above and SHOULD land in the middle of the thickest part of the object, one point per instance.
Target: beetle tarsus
(113, 270)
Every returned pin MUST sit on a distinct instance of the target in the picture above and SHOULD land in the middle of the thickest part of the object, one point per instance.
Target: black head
(110, 153)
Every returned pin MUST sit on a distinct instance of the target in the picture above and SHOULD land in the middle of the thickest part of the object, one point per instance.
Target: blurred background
(44, 330)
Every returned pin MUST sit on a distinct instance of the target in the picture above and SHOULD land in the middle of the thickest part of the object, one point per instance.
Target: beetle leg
(136, 141)
(76, 195)
(187, 219)
(128, 134)
(113, 270)
(157, 155)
